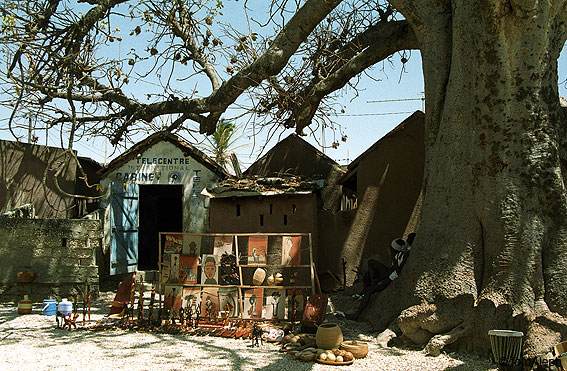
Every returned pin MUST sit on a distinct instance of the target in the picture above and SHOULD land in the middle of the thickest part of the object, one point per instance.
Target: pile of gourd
(303, 347)
(334, 355)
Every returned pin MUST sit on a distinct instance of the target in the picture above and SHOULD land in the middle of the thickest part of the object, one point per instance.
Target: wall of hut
(28, 175)
(270, 214)
(387, 180)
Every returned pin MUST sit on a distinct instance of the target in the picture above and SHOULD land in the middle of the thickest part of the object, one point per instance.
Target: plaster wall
(61, 251)
(164, 163)
(300, 212)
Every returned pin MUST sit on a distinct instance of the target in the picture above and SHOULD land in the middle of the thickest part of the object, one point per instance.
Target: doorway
(160, 210)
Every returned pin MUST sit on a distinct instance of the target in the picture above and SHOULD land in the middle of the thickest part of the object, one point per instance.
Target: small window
(293, 209)
(261, 220)
(271, 209)
(237, 210)
(285, 219)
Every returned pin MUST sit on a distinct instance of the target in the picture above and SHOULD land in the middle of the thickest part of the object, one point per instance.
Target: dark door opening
(160, 210)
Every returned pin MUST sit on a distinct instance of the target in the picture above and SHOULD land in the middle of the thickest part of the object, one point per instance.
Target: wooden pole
(240, 289)
(312, 265)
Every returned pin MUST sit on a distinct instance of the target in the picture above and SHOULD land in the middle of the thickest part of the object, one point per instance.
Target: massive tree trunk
(491, 251)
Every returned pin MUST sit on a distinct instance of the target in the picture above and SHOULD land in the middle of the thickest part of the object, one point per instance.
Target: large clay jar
(329, 336)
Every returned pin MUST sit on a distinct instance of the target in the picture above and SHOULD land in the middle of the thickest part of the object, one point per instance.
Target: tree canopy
(74, 67)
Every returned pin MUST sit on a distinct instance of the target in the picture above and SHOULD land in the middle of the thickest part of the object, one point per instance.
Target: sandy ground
(32, 342)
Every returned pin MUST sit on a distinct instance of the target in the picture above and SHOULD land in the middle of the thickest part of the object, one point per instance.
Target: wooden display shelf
(240, 266)
(273, 266)
(274, 287)
(238, 286)
(197, 285)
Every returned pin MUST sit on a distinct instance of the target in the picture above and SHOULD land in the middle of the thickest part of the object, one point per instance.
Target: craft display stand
(295, 276)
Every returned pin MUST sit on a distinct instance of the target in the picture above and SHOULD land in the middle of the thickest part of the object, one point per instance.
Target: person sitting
(377, 278)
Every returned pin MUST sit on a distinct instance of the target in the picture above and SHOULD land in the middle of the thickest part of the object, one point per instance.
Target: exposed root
(542, 333)
(411, 322)
(436, 325)
(385, 338)
(438, 342)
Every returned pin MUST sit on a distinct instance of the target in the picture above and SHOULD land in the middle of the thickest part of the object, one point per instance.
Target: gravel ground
(33, 342)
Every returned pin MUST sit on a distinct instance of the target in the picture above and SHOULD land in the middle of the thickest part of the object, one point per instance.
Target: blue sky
(380, 106)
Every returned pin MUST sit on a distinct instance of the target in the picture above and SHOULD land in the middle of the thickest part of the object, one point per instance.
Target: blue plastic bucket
(49, 307)
(65, 307)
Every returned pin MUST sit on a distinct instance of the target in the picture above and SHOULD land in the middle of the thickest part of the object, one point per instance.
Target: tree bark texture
(491, 252)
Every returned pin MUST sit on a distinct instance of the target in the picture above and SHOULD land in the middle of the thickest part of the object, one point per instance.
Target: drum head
(505, 333)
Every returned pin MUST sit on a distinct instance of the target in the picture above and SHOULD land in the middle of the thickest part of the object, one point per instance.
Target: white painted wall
(164, 163)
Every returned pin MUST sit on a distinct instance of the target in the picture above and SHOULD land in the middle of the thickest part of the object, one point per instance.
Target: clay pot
(27, 276)
(359, 349)
(329, 336)
(258, 277)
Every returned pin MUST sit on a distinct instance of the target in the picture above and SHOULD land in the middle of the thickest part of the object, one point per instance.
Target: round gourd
(271, 280)
(331, 357)
(308, 357)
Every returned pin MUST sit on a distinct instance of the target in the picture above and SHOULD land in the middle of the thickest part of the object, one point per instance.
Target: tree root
(542, 333)
(386, 337)
(437, 325)
(438, 342)
(411, 321)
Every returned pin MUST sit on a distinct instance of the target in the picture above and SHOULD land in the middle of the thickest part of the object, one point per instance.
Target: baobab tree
(491, 249)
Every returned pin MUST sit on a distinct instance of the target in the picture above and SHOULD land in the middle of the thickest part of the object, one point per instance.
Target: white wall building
(154, 187)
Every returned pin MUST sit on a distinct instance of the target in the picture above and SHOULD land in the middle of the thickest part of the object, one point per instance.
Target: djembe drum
(506, 346)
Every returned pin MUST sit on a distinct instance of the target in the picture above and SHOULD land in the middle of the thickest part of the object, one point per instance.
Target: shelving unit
(302, 273)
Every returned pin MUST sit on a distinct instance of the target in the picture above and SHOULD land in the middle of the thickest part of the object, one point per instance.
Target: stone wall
(61, 251)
